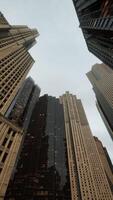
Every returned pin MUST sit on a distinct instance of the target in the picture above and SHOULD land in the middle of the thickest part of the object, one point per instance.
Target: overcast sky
(61, 55)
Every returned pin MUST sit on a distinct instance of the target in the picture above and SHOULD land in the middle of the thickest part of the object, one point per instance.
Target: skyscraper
(15, 63)
(96, 21)
(42, 170)
(60, 158)
(87, 175)
(13, 130)
(101, 78)
(20, 110)
(108, 167)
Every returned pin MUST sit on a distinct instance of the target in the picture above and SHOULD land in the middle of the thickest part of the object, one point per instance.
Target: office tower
(59, 158)
(101, 78)
(15, 60)
(42, 170)
(15, 63)
(105, 159)
(87, 175)
(96, 21)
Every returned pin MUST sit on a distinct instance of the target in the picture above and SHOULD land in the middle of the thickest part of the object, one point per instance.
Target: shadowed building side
(96, 22)
(42, 169)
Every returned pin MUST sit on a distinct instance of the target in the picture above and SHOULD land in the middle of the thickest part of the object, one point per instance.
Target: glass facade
(42, 170)
(22, 106)
(96, 21)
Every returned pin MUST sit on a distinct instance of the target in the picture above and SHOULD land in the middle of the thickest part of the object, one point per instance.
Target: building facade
(87, 175)
(20, 110)
(105, 159)
(60, 158)
(101, 78)
(15, 60)
(15, 63)
(96, 21)
(13, 128)
(42, 170)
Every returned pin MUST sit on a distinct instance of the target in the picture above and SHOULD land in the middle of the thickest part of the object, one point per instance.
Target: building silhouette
(101, 78)
(60, 158)
(15, 63)
(95, 19)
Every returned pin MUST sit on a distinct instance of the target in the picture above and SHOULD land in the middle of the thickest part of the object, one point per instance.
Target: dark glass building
(96, 21)
(22, 106)
(20, 111)
(42, 170)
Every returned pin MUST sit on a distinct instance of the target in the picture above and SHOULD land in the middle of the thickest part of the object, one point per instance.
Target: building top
(3, 22)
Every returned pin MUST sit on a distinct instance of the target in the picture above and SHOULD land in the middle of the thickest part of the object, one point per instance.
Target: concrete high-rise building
(15, 63)
(101, 78)
(105, 159)
(60, 158)
(15, 60)
(87, 174)
(96, 21)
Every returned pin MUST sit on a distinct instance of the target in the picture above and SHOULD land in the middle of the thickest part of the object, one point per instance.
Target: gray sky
(61, 55)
